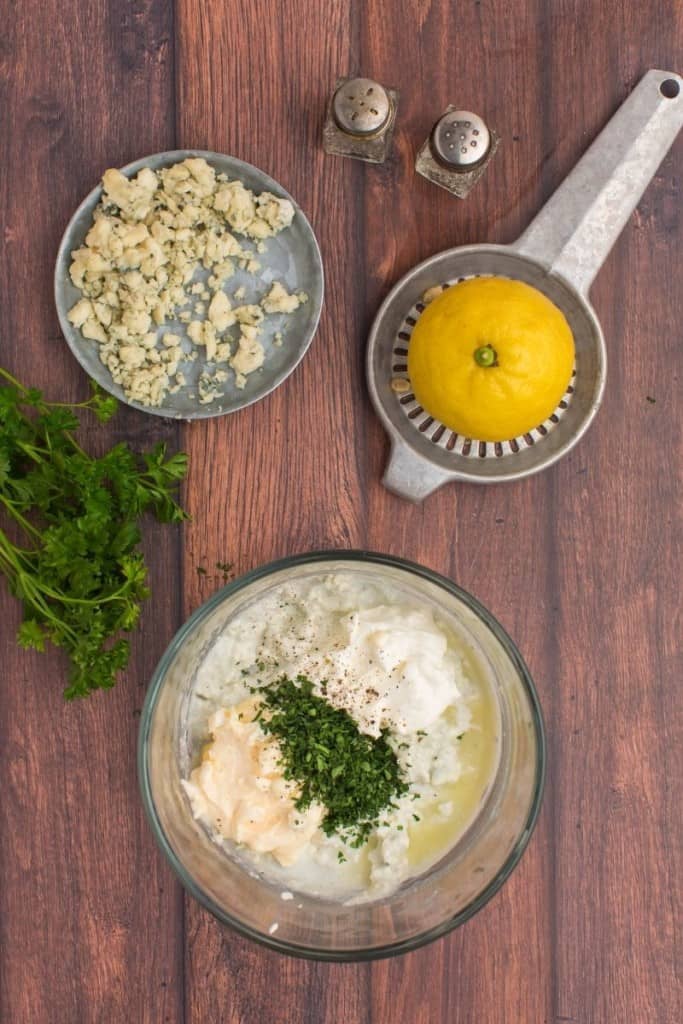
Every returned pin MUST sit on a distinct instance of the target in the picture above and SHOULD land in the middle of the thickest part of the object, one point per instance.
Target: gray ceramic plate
(292, 257)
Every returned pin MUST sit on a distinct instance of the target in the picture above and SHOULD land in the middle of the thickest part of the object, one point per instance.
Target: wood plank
(91, 918)
(284, 475)
(487, 539)
(617, 545)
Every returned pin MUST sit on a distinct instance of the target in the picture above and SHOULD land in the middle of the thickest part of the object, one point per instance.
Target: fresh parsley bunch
(76, 564)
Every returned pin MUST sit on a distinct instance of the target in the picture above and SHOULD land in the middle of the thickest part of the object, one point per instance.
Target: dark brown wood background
(579, 563)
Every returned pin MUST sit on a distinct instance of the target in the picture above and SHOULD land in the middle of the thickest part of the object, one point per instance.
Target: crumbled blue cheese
(251, 315)
(203, 332)
(279, 300)
(249, 356)
(220, 312)
(209, 389)
(150, 235)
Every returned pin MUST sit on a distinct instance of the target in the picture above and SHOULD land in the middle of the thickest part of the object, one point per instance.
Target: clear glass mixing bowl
(423, 908)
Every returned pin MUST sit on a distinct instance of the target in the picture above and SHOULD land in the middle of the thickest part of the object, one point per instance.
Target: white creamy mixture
(392, 666)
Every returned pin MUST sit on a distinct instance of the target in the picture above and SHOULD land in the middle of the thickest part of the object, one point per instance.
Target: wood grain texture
(487, 539)
(91, 917)
(617, 736)
(287, 474)
(579, 564)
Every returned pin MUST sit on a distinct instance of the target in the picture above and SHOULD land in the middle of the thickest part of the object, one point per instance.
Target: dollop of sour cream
(239, 791)
(388, 666)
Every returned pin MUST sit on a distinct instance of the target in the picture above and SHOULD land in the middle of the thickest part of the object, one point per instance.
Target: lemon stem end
(486, 356)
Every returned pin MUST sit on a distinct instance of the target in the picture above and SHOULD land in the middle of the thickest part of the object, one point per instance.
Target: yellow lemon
(490, 358)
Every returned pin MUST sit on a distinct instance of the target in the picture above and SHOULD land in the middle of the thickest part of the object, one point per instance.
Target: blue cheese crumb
(279, 300)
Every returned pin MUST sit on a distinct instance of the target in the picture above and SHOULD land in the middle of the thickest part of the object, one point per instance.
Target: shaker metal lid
(361, 106)
(460, 139)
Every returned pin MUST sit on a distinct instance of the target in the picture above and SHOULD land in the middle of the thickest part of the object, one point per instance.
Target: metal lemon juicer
(560, 253)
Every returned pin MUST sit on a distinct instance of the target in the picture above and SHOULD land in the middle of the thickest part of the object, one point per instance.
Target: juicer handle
(410, 476)
(582, 220)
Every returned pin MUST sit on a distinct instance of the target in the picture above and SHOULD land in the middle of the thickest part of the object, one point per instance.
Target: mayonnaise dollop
(239, 791)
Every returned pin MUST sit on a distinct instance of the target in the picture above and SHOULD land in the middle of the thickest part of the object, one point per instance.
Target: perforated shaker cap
(361, 106)
(460, 139)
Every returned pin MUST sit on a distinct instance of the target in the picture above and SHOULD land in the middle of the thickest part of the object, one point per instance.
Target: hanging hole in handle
(670, 88)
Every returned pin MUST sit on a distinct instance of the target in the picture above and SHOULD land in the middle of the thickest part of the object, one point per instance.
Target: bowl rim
(361, 954)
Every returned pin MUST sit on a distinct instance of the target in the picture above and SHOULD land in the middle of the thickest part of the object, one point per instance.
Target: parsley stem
(12, 554)
(6, 562)
(31, 594)
(12, 380)
(74, 443)
(86, 601)
(17, 516)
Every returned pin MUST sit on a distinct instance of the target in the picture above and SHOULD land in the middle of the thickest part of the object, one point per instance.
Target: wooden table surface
(579, 563)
